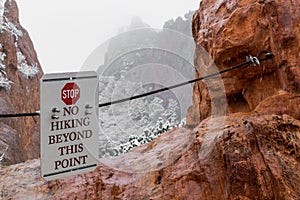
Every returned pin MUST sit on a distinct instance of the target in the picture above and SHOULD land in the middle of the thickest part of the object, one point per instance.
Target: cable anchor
(254, 60)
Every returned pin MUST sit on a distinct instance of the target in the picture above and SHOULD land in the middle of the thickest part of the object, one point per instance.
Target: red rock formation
(281, 104)
(254, 154)
(231, 30)
(253, 157)
(22, 134)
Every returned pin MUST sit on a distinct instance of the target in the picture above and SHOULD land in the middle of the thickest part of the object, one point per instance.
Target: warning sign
(69, 124)
(70, 93)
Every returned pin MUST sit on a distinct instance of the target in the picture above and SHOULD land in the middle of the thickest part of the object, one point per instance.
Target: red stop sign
(70, 93)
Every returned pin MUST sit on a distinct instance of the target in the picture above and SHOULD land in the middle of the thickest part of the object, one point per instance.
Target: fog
(66, 32)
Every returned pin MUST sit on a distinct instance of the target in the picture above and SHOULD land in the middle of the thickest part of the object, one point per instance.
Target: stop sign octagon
(70, 93)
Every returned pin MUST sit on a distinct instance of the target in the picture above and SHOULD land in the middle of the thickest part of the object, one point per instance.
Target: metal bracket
(253, 60)
(88, 107)
(55, 111)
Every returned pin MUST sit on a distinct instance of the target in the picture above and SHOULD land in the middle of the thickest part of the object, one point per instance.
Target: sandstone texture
(231, 30)
(20, 71)
(252, 153)
(251, 157)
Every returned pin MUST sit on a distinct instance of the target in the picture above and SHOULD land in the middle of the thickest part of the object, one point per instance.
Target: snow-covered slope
(132, 68)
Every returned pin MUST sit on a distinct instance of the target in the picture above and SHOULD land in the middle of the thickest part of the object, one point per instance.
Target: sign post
(69, 124)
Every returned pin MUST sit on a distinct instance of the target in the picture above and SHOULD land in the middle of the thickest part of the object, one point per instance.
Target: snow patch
(2, 3)
(27, 71)
(5, 83)
(2, 67)
(3, 149)
(2, 57)
(2, 8)
(5, 24)
(148, 135)
(11, 28)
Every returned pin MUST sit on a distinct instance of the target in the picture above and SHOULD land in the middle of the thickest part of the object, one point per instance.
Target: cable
(254, 61)
(37, 113)
(173, 86)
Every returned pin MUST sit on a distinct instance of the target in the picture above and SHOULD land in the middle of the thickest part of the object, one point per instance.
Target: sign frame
(69, 133)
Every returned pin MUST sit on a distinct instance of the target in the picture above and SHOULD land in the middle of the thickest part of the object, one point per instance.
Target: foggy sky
(65, 32)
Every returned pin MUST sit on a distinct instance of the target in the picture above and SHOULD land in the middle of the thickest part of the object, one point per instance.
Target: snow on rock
(5, 83)
(255, 155)
(12, 29)
(26, 70)
(5, 24)
(3, 149)
(2, 56)
(20, 73)
(2, 2)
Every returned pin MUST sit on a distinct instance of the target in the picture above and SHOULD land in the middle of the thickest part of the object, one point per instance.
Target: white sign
(69, 124)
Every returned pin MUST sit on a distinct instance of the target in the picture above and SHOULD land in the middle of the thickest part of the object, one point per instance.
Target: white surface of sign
(69, 124)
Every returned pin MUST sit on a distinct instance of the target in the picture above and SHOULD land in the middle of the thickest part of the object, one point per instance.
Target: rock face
(253, 157)
(231, 30)
(253, 153)
(19, 88)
